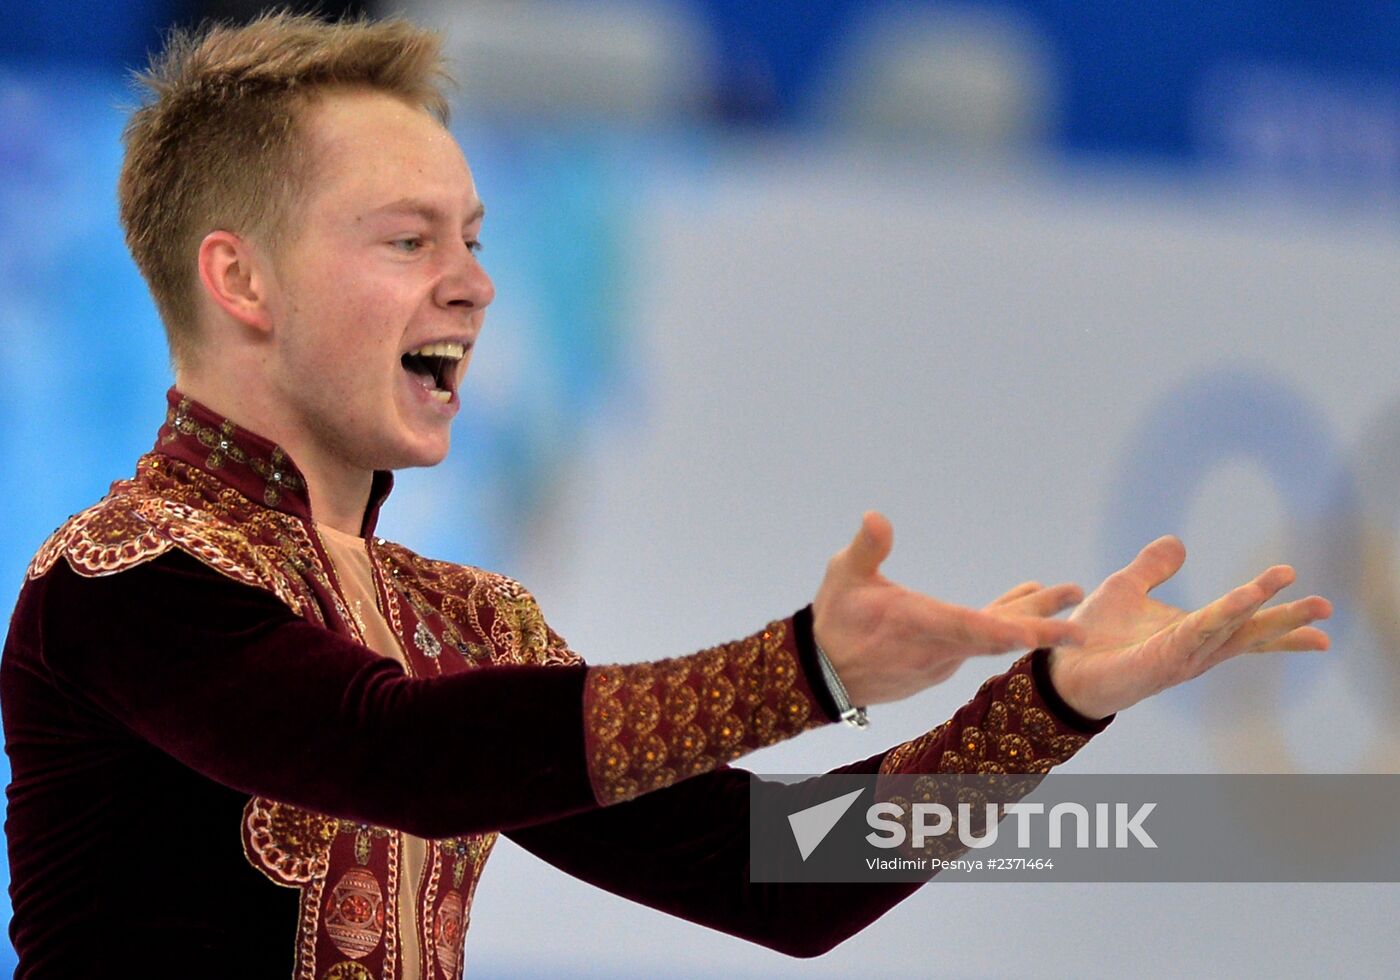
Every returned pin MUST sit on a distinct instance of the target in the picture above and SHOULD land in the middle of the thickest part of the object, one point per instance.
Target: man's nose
(465, 284)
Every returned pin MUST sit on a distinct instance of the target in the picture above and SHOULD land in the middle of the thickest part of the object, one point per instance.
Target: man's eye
(474, 246)
(409, 245)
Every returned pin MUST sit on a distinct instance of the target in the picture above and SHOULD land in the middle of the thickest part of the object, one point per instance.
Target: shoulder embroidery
(107, 537)
(135, 524)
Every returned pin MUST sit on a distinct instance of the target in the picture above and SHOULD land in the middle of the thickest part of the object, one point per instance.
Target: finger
(871, 545)
(1052, 632)
(1000, 633)
(974, 632)
(1266, 629)
(1155, 563)
(1043, 602)
(969, 632)
(1233, 622)
(1024, 589)
(1275, 579)
(1249, 597)
(1208, 628)
(1303, 639)
(1269, 624)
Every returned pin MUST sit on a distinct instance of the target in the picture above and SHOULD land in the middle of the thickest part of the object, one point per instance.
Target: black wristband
(807, 655)
(1040, 673)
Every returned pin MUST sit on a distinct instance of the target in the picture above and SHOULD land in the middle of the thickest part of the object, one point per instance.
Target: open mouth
(435, 367)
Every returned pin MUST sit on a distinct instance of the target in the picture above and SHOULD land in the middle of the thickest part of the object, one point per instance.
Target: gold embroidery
(354, 916)
(649, 725)
(486, 618)
(222, 445)
(447, 910)
(292, 845)
(424, 639)
(393, 854)
(103, 539)
(448, 933)
(469, 601)
(359, 614)
(175, 505)
(1015, 734)
(309, 916)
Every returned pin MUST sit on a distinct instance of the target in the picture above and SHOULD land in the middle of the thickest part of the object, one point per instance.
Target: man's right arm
(226, 679)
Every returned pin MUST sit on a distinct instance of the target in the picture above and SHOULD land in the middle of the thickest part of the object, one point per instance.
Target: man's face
(379, 263)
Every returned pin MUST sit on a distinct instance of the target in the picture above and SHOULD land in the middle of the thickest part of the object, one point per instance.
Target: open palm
(1135, 646)
(887, 642)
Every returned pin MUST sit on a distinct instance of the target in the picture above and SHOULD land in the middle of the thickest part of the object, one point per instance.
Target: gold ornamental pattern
(236, 503)
(290, 845)
(458, 602)
(226, 445)
(171, 504)
(1005, 728)
(650, 725)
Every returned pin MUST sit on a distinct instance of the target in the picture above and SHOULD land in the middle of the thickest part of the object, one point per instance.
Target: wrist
(836, 657)
(838, 698)
(847, 710)
(804, 635)
(1062, 692)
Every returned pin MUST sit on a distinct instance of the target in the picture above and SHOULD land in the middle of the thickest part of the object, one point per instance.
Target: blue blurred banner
(1245, 80)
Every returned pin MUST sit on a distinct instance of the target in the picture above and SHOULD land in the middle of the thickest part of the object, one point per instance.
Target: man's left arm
(685, 849)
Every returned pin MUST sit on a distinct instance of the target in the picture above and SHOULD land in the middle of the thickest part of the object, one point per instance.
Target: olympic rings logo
(1341, 511)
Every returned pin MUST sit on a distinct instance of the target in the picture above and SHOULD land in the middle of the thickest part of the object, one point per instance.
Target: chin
(410, 457)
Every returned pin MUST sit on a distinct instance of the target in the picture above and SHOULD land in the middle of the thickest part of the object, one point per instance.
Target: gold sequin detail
(175, 505)
(649, 725)
(1004, 729)
(458, 601)
(222, 444)
(291, 845)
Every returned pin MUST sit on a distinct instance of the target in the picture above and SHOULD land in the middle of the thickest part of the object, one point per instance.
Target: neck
(339, 491)
(339, 494)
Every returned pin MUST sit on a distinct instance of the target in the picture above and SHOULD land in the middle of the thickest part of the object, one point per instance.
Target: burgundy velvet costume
(214, 777)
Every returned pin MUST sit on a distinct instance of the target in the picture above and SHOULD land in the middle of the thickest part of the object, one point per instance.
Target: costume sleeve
(649, 725)
(685, 849)
(226, 679)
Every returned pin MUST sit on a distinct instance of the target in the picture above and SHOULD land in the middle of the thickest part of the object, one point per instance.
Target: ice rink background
(1039, 280)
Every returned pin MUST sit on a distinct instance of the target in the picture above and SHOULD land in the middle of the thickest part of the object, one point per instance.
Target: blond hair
(215, 143)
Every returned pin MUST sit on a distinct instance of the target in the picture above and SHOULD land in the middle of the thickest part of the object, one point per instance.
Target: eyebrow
(430, 212)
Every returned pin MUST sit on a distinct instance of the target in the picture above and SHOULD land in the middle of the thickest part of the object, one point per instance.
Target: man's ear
(234, 279)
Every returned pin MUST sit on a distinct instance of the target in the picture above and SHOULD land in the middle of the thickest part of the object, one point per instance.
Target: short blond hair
(215, 143)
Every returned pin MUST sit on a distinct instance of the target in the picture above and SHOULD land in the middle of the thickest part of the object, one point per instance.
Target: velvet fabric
(158, 692)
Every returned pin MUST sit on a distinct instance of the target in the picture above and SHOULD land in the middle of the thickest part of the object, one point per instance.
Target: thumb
(871, 545)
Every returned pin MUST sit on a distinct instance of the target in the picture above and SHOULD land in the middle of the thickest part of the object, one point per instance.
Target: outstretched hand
(887, 642)
(1135, 646)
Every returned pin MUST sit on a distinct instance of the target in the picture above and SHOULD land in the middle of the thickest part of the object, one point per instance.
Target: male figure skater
(250, 738)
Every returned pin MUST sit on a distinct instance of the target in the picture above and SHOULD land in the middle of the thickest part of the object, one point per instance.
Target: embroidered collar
(258, 469)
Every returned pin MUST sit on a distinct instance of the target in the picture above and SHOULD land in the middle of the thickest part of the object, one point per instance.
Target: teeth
(440, 395)
(448, 349)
